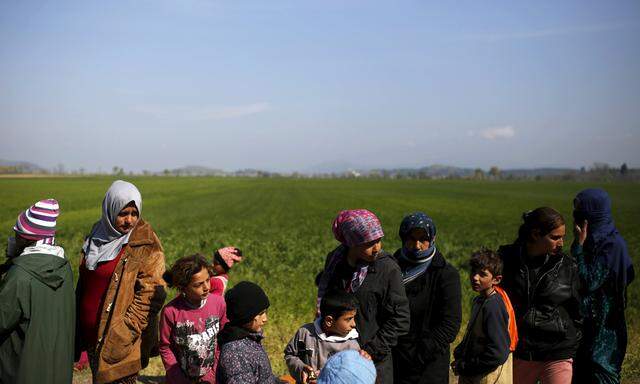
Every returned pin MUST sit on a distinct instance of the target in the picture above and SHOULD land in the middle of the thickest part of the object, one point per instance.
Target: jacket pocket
(118, 344)
(550, 324)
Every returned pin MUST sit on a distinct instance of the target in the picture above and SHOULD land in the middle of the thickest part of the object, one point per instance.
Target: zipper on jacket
(529, 299)
(546, 273)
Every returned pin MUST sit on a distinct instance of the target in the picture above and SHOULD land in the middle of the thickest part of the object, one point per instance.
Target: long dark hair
(543, 219)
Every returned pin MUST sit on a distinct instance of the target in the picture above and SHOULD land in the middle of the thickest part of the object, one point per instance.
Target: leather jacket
(547, 307)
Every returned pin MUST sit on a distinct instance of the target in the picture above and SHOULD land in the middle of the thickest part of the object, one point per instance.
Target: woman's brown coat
(128, 327)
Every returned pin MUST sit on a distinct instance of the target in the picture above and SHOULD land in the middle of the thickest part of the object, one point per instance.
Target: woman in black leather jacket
(542, 283)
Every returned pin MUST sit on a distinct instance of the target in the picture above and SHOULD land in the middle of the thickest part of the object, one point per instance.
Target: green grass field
(283, 227)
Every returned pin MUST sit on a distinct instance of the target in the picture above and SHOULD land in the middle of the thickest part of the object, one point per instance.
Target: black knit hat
(244, 302)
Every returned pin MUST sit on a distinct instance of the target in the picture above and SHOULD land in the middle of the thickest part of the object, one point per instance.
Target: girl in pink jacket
(190, 323)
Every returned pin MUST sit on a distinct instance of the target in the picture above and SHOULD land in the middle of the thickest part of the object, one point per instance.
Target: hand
(580, 232)
(454, 367)
(230, 255)
(309, 376)
(365, 354)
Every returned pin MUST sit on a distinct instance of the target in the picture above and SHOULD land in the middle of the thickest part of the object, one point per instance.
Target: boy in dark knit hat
(243, 360)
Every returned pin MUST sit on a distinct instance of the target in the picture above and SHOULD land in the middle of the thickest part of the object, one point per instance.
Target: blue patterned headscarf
(603, 241)
(417, 262)
(418, 220)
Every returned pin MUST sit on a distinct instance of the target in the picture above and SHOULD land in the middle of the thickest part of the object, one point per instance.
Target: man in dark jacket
(432, 286)
(37, 309)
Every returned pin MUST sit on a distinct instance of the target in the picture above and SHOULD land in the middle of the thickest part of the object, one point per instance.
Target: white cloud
(201, 113)
(495, 133)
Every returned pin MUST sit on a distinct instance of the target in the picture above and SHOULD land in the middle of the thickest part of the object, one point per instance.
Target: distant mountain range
(324, 169)
(22, 166)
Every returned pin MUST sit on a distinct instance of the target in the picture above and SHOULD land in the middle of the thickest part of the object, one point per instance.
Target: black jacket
(383, 311)
(547, 309)
(485, 345)
(422, 356)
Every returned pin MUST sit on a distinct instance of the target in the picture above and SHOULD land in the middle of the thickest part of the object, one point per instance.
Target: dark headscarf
(418, 220)
(415, 263)
(603, 241)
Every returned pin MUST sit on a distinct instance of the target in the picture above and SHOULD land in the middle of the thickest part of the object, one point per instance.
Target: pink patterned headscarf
(356, 226)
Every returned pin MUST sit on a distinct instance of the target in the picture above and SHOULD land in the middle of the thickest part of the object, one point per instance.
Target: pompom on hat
(38, 223)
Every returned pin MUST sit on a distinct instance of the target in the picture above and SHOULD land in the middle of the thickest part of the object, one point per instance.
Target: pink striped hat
(39, 221)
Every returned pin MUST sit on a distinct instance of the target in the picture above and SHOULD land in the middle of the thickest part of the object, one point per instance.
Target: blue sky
(290, 85)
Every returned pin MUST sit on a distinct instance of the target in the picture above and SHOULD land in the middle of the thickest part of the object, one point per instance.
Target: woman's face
(369, 251)
(127, 218)
(551, 243)
(417, 240)
(198, 288)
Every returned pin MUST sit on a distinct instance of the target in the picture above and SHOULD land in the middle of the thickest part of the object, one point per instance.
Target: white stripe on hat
(45, 213)
(45, 205)
(42, 223)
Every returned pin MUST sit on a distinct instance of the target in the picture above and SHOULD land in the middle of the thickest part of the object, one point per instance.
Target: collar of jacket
(438, 260)
(551, 262)
(142, 235)
(373, 266)
(232, 332)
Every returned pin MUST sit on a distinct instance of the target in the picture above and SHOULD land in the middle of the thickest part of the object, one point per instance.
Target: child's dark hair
(181, 272)
(543, 219)
(486, 259)
(336, 303)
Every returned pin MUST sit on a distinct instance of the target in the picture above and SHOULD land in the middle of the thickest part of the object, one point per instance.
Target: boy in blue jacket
(484, 355)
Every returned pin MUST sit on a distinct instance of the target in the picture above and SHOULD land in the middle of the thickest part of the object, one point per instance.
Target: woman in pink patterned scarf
(359, 265)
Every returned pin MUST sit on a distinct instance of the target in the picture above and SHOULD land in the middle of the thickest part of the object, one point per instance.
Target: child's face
(369, 251)
(342, 325)
(198, 288)
(417, 240)
(258, 322)
(482, 281)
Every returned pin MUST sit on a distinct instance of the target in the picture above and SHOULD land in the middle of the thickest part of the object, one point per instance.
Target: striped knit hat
(39, 221)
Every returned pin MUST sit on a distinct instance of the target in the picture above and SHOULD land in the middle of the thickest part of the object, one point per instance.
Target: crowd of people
(540, 315)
